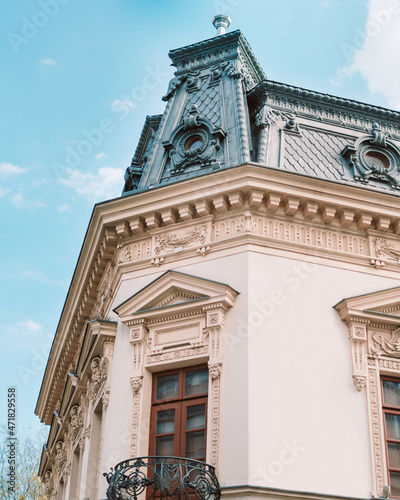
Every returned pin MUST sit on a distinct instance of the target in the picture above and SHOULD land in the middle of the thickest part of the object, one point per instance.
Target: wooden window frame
(180, 404)
(393, 410)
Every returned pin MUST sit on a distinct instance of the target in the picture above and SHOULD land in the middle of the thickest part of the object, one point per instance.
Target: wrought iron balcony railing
(169, 478)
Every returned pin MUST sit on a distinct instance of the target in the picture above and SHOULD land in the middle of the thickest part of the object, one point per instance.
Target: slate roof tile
(314, 153)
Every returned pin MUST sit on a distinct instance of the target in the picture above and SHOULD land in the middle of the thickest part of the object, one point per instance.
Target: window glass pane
(165, 446)
(196, 417)
(394, 455)
(167, 387)
(391, 393)
(165, 421)
(195, 445)
(395, 484)
(392, 426)
(196, 382)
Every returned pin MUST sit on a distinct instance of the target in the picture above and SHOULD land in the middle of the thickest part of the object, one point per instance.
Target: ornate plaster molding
(324, 107)
(215, 374)
(376, 430)
(76, 424)
(375, 347)
(48, 483)
(61, 456)
(136, 384)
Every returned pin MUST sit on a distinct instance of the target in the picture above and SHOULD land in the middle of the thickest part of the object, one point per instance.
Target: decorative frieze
(173, 241)
(177, 355)
(291, 232)
(324, 107)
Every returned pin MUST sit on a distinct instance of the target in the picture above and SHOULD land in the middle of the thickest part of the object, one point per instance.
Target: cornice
(348, 112)
(214, 50)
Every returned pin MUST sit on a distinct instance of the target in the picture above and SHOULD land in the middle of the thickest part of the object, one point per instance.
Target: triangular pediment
(384, 302)
(175, 290)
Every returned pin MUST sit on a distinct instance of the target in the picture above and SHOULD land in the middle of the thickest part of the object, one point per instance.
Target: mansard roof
(220, 96)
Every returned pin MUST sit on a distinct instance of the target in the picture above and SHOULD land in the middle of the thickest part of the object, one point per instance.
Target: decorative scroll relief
(367, 341)
(76, 422)
(61, 456)
(386, 343)
(48, 483)
(384, 250)
(175, 241)
(104, 291)
(98, 381)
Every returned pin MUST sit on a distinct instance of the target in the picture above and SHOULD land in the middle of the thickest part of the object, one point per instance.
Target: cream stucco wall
(308, 425)
(290, 415)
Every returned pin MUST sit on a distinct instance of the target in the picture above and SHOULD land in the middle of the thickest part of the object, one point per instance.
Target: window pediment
(175, 292)
(373, 322)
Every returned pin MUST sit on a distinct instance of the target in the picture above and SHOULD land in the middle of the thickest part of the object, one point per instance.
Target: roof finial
(221, 22)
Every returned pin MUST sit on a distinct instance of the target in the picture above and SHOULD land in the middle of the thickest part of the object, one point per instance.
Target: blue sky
(78, 77)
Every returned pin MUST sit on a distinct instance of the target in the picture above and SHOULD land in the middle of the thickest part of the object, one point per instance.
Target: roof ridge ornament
(221, 22)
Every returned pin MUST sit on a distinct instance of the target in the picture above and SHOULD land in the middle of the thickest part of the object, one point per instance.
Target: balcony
(169, 478)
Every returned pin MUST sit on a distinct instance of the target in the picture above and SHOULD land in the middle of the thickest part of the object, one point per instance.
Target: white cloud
(48, 61)
(374, 52)
(3, 192)
(19, 201)
(64, 208)
(105, 184)
(31, 325)
(8, 170)
(100, 156)
(27, 335)
(40, 277)
(119, 105)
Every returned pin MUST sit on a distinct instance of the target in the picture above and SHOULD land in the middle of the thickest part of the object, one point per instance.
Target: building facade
(239, 304)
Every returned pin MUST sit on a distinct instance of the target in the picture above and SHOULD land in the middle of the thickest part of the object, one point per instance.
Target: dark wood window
(391, 415)
(179, 413)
